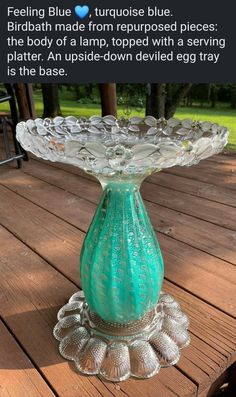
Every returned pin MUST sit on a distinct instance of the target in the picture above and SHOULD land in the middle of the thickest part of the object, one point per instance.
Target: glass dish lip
(148, 128)
(109, 145)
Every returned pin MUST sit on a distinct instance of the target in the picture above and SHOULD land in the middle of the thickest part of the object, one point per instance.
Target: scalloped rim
(170, 131)
(92, 333)
(120, 122)
(109, 145)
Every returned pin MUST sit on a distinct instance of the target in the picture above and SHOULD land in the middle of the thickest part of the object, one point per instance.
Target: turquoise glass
(121, 264)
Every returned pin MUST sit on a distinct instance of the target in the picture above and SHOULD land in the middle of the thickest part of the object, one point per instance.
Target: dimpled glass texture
(121, 264)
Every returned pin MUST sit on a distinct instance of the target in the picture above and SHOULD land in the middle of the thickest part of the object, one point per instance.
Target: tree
(163, 99)
(213, 94)
(156, 97)
(108, 99)
(24, 97)
(233, 96)
(51, 101)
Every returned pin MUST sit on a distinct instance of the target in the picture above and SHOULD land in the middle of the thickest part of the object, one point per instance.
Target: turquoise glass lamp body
(121, 264)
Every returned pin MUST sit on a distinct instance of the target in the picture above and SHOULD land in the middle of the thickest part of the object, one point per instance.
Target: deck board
(175, 223)
(179, 252)
(205, 190)
(208, 174)
(191, 204)
(45, 210)
(34, 291)
(18, 376)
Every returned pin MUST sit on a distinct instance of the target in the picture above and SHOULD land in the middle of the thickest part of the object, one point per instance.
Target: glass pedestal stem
(121, 264)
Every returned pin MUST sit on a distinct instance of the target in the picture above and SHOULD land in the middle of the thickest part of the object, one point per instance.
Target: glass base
(117, 351)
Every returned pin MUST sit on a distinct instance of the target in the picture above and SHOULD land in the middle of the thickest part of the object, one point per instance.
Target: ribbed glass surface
(121, 263)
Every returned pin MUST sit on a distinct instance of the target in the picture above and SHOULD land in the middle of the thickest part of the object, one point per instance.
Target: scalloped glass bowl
(108, 146)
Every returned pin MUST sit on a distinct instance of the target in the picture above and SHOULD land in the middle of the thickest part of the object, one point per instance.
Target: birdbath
(121, 324)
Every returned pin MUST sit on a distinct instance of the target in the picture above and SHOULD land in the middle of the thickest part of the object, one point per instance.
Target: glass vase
(121, 264)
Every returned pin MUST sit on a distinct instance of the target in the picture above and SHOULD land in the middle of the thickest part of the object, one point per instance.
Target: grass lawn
(221, 115)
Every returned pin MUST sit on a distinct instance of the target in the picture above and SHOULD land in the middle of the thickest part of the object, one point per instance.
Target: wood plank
(216, 326)
(209, 278)
(196, 188)
(18, 376)
(205, 175)
(205, 172)
(185, 203)
(33, 293)
(179, 200)
(216, 166)
(226, 158)
(196, 232)
(206, 311)
(213, 355)
(207, 237)
(69, 206)
(70, 270)
(35, 286)
(198, 207)
(219, 168)
(68, 181)
(212, 390)
(200, 189)
(223, 167)
(207, 272)
(56, 241)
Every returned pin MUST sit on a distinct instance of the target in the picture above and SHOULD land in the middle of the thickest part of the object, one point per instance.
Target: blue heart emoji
(81, 11)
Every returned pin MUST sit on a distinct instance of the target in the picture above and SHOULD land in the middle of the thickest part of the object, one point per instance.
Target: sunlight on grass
(225, 117)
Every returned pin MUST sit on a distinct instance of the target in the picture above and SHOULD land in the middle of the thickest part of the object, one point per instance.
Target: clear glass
(108, 146)
(121, 264)
(121, 324)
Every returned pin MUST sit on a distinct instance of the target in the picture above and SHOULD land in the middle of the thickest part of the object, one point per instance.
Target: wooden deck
(45, 210)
